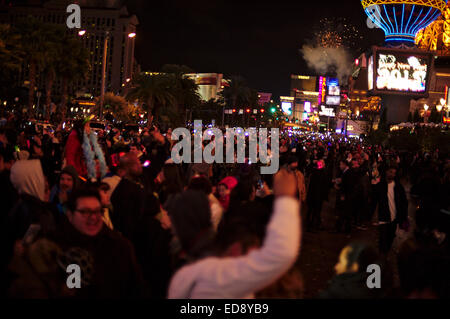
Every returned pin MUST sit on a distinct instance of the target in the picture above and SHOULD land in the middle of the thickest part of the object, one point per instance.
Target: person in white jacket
(240, 277)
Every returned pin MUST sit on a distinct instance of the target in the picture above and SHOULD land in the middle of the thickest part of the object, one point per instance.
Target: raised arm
(242, 276)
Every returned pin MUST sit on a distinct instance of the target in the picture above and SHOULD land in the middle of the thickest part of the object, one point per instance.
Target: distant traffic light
(262, 110)
(273, 110)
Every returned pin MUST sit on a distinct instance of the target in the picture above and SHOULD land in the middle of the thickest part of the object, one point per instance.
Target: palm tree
(153, 91)
(115, 105)
(54, 35)
(73, 65)
(237, 94)
(184, 89)
(11, 55)
(34, 38)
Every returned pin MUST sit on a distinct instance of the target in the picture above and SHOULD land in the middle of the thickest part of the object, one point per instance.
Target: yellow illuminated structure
(402, 19)
(438, 4)
(436, 37)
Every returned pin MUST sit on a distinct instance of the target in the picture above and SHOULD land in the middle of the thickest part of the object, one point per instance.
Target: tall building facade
(100, 20)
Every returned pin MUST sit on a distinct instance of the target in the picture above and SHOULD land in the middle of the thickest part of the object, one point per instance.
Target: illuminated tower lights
(402, 20)
(436, 37)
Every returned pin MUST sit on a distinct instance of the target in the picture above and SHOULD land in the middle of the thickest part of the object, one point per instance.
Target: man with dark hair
(108, 267)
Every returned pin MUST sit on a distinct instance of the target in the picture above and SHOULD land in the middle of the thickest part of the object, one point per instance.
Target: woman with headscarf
(32, 215)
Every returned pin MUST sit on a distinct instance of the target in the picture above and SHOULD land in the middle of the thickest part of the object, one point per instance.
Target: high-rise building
(100, 20)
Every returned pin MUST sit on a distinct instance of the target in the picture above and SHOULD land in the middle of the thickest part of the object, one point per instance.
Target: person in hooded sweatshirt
(32, 207)
(32, 213)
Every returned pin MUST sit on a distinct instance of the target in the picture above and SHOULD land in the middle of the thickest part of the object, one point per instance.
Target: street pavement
(320, 251)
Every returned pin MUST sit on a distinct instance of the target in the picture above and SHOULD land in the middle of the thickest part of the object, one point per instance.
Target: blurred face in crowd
(390, 174)
(134, 150)
(37, 148)
(343, 266)
(342, 166)
(66, 182)
(293, 166)
(104, 195)
(355, 163)
(134, 166)
(87, 217)
(223, 191)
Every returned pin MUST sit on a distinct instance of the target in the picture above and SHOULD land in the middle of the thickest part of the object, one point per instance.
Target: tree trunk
(32, 79)
(65, 95)
(48, 93)
(149, 114)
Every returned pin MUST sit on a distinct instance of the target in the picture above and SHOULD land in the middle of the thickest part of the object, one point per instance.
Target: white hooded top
(27, 178)
(241, 277)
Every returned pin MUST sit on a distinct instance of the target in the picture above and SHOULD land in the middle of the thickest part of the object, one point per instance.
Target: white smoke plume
(323, 60)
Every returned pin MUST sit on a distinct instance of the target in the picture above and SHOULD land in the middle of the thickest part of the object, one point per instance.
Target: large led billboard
(333, 87)
(370, 73)
(399, 72)
(287, 107)
(333, 100)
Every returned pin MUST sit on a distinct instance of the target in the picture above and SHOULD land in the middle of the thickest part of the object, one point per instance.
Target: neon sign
(403, 73)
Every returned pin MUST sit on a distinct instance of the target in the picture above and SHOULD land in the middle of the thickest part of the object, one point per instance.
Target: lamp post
(426, 108)
(439, 108)
(105, 54)
(102, 92)
(131, 36)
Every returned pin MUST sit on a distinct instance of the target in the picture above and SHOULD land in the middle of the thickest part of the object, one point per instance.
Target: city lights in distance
(132, 35)
(81, 33)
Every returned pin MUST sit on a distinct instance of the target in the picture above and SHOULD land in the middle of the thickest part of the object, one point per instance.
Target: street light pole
(102, 92)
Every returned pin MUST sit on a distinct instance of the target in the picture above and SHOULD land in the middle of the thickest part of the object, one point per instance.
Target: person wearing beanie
(224, 190)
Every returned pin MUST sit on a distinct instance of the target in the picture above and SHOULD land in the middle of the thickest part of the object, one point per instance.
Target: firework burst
(337, 33)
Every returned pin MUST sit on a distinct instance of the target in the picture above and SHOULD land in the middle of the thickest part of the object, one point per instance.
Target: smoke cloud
(324, 60)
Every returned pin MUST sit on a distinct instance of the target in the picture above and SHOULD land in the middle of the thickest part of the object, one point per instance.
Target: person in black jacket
(356, 195)
(343, 185)
(128, 198)
(392, 208)
(317, 194)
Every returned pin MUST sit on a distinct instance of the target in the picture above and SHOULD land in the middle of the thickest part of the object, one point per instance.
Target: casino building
(99, 19)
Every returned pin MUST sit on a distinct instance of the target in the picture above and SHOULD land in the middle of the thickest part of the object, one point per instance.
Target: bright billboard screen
(401, 72)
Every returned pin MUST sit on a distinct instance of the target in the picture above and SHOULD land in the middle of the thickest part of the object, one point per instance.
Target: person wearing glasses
(107, 262)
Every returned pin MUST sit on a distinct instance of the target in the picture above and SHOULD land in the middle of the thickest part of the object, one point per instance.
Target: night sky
(259, 40)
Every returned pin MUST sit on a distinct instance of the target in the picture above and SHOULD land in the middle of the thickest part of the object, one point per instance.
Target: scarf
(92, 149)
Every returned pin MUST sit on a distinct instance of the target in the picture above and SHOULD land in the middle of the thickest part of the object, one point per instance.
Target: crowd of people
(139, 226)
